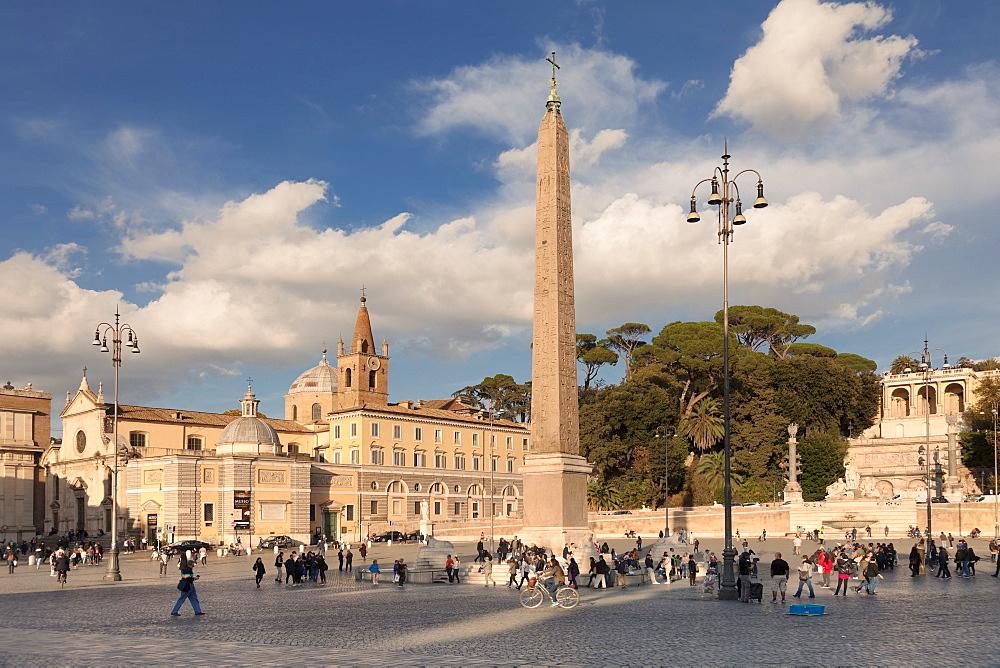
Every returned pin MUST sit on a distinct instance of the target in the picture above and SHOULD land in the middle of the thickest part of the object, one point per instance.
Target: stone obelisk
(554, 474)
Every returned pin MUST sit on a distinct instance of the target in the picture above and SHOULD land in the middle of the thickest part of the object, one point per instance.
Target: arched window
(317, 412)
(437, 488)
(194, 442)
(371, 380)
(347, 377)
(81, 441)
(364, 346)
(295, 412)
(928, 400)
(395, 487)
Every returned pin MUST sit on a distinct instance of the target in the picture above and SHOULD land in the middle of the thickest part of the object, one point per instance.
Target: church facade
(344, 462)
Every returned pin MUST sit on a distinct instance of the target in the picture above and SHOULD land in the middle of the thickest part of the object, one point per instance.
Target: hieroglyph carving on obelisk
(555, 423)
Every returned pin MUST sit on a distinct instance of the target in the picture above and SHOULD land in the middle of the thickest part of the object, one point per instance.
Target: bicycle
(532, 597)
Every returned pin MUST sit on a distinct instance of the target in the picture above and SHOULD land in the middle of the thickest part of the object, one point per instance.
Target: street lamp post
(724, 193)
(996, 497)
(667, 435)
(117, 330)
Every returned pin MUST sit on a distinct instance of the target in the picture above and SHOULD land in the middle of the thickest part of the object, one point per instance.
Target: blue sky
(231, 174)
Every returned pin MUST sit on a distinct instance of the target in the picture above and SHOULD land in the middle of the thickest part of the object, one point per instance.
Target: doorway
(151, 524)
(331, 525)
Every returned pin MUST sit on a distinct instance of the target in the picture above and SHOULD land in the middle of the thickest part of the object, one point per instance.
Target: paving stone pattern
(916, 621)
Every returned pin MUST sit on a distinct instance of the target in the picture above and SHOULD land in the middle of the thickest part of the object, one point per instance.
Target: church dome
(249, 430)
(320, 378)
(248, 434)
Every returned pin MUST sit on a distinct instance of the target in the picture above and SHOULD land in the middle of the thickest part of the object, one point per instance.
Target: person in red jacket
(825, 561)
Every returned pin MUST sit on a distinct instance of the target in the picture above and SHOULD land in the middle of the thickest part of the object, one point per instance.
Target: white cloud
(810, 62)
(504, 98)
(807, 254)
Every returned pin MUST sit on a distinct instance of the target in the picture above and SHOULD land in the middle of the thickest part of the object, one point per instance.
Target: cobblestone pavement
(916, 621)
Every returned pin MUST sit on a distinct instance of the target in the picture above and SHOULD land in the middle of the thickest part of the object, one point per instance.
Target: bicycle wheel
(567, 597)
(531, 597)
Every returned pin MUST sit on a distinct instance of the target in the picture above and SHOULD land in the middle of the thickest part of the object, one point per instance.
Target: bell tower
(362, 373)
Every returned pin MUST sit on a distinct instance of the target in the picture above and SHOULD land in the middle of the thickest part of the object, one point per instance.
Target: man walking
(805, 577)
(348, 560)
(745, 566)
(779, 577)
(487, 569)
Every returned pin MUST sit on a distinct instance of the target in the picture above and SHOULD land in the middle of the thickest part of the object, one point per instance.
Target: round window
(81, 441)
(457, 489)
(416, 487)
(374, 485)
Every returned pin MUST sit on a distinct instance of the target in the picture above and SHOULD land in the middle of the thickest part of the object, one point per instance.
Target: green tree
(704, 426)
(757, 490)
(976, 448)
(856, 363)
(690, 353)
(592, 354)
(903, 362)
(618, 426)
(813, 349)
(822, 455)
(508, 399)
(624, 339)
(712, 468)
(603, 496)
(756, 325)
(758, 430)
(238, 412)
(822, 395)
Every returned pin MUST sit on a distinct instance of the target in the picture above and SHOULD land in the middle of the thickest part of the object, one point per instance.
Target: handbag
(184, 585)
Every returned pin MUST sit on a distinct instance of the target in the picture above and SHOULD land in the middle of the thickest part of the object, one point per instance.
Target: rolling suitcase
(756, 591)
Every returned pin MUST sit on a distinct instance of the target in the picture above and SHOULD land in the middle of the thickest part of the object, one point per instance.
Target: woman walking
(943, 570)
(843, 568)
(258, 568)
(572, 571)
(487, 569)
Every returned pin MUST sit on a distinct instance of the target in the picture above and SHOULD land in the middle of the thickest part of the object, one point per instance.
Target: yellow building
(24, 435)
(345, 462)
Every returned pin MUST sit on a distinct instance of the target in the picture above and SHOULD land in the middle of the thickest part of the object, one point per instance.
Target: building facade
(915, 439)
(345, 462)
(25, 416)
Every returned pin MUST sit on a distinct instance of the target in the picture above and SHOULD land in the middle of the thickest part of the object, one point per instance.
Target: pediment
(82, 402)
